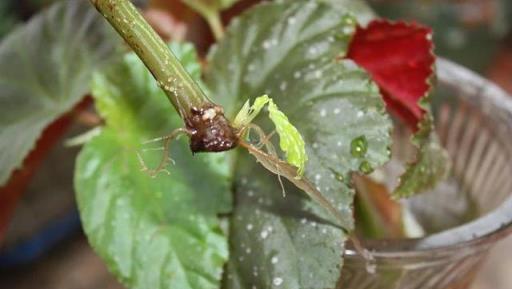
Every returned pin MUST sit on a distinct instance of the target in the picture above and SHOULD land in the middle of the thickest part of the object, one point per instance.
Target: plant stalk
(181, 89)
(208, 128)
(215, 24)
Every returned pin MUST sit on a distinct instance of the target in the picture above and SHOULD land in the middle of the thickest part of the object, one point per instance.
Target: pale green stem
(215, 24)
(181, 89)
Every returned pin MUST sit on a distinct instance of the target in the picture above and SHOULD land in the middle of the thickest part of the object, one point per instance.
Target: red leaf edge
(399, 57)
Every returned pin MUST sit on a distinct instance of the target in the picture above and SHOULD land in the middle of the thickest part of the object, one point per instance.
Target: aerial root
(166, 159)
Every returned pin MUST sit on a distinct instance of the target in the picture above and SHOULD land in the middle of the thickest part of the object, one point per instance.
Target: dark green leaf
(358, 8)
(160, 232)
(46, 67)
(288, 50)
(8, 19)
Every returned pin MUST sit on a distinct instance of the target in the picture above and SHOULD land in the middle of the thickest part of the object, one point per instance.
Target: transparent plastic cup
(474, 123)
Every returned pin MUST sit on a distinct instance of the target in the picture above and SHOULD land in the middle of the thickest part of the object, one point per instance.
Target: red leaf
(399, 58)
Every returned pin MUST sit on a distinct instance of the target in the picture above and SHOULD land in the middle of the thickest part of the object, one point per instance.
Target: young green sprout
(290, 140)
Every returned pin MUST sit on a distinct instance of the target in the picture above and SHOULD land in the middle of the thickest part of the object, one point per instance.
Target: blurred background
(41, 244)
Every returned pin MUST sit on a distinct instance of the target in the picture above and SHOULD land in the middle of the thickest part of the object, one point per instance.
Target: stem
(181, 89)
(215, 24)
(208, 128)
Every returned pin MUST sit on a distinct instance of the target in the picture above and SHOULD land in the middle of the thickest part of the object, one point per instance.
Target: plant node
(209, 130)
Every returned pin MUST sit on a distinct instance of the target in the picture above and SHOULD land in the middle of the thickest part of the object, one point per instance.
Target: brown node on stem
(209, 130)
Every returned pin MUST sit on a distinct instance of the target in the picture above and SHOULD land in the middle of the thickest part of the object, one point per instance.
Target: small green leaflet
(290, 140)
(247, 114)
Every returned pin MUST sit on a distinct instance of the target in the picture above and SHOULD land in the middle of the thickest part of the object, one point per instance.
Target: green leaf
(288, 50)
(161, 232)
(248, 112)
(359, 8)
(46, 66)
(432, 163)
(290, 140)
(8, 19)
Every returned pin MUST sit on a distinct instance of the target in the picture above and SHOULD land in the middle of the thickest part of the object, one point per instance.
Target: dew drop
(297, 74)
(359, 147)
(348, 29)
(292, 20)
(323, 112)
(313, 50)
(266, 44)
(277, 281)
(249, 227)
(274, 260)
(366, 167)
(264, 234)
(283, 86)
(348, 19)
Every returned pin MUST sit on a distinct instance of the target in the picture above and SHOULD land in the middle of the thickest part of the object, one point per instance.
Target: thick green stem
(208, 128)
(181, 89)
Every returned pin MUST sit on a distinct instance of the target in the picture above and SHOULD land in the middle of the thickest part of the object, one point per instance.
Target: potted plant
(295, 109)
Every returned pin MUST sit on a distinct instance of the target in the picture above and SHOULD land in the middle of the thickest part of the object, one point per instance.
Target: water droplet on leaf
(365, 167)
(277, 281)
(359, 147)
